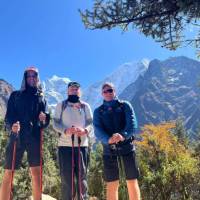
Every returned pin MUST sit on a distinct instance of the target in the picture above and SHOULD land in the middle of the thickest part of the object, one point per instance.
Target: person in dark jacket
(114, 125)
(25, 117)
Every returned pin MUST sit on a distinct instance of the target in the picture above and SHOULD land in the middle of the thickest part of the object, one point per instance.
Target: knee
(35, 172)
(132, 183)
(112, 185)
(7, 176)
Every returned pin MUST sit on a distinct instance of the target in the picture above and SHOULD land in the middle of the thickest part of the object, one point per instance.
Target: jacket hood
(24, 85)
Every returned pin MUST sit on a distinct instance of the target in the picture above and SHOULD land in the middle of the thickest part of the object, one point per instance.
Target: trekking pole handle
(42, 123)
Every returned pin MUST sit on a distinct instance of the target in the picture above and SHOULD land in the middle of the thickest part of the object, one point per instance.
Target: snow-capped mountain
(121, 77)
(159, 91)
(55, 90)
(55, 87)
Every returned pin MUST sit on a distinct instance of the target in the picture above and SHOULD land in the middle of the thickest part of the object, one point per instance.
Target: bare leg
(133, 189)
(35, 175)
(112, 190)
(5, 189)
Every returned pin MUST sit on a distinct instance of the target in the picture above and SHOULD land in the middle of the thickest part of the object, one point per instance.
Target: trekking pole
(72, 137)
(121, 169)
(41, 157)
(13, 168)
(79, 167)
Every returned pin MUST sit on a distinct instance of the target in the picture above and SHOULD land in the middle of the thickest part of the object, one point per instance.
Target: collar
(111, 103)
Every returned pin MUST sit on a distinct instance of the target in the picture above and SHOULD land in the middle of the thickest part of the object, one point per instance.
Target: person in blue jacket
(114, 125)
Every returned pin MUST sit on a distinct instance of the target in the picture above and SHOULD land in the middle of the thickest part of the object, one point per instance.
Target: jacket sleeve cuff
(124, 134)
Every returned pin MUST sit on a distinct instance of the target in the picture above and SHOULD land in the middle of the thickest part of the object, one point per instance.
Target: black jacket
(25, 107)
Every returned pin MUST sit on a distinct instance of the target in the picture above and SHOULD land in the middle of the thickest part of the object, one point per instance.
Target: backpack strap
(83, 107)
(63, 107)
(121, 104)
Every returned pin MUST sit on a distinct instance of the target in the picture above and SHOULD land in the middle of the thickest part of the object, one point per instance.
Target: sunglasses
(108, 91)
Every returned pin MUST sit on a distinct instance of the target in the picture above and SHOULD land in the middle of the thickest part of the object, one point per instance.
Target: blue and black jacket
(115, 117)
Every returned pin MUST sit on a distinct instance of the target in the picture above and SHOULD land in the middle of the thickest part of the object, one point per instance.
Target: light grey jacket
(72, 116)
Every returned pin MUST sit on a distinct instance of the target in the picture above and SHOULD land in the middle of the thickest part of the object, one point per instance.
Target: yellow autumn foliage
(167, 166)
(163, 138)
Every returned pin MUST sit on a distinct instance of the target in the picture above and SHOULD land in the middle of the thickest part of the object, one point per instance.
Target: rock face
(5, 91)
(168, 90)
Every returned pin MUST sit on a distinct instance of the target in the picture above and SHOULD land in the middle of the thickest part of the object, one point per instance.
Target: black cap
(74, 83)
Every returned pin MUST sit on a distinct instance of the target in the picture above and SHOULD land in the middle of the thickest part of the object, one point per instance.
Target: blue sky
(50, 35)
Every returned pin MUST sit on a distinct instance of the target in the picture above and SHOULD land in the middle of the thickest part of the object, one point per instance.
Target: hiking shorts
(33, 154)
(112, 164)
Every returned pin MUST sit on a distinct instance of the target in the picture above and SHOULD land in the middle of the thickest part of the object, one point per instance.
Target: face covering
(30, 89)
(73, 98)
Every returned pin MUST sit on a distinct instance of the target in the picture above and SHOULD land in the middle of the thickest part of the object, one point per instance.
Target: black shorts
(33, 154)
(112, 164)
